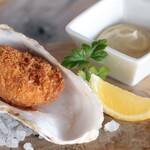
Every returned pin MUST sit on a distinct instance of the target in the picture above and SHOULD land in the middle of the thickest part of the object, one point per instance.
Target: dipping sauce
(132, 40)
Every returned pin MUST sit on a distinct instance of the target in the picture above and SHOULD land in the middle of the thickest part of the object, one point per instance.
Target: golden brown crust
(26, 80)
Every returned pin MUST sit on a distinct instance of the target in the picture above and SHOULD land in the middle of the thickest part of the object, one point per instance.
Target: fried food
(26, 80)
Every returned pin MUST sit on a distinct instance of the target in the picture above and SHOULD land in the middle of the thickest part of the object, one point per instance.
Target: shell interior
(75, 117)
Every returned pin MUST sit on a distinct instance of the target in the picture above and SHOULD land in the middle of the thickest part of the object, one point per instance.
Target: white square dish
(87, 26)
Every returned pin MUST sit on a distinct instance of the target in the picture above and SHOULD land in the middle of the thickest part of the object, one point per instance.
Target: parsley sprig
(83, 60)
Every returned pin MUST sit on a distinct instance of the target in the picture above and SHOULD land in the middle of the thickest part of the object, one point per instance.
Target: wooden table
(130, 136)
(45, 21)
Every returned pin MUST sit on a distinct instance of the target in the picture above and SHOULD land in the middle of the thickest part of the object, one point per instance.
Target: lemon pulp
(120, 103)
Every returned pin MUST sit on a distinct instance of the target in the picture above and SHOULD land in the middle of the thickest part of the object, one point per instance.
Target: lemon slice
(119, 103)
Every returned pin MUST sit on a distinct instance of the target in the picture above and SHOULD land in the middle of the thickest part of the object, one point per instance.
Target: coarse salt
(28, 146)
(111, 126)
(12, 132)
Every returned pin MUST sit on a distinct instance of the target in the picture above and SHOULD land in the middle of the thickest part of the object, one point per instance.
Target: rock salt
(12, 132)
(12, 142)
(111, 126)
(20, 135)
(28, 146)
(2, 141)
(13, 124)
(29, 131)
(40, 137)
(20, 127)
(3, 127)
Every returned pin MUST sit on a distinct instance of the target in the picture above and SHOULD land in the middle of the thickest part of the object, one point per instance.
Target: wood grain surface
(130, 136)
(43, 20)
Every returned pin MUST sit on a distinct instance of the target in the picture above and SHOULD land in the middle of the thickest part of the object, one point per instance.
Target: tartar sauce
(132, 40)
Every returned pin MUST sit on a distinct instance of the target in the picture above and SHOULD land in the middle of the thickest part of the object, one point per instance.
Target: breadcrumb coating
(26, 80)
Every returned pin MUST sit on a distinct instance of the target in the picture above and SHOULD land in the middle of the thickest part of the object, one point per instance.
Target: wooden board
(130, 136)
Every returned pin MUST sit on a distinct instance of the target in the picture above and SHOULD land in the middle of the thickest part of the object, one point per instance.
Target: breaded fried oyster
(26, 80)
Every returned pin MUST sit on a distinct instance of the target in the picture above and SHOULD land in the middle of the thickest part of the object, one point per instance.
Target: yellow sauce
(129, 39)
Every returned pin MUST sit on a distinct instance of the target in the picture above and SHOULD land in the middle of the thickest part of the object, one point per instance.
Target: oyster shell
(75, 117)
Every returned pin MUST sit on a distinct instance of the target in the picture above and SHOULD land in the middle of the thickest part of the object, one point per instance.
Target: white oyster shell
(75, 117)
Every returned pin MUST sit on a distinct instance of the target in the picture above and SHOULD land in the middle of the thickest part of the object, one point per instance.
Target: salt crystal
(31, 148)
(3, 127)
(111, 126)
(40, 137)
(20, 127)
(12, 132)
(28, 146)
(13, 124)
(20, 135)
(5, 115)
(2, 141)
(12, 142)
(6, 118)
(1, 114)
(29, 131)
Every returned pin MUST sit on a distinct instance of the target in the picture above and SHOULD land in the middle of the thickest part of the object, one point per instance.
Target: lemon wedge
(120, 103)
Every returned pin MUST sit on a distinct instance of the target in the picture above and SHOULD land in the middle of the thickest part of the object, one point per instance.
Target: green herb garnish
(84, 58)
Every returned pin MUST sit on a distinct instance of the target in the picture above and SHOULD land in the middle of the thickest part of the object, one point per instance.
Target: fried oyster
(26, 80)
